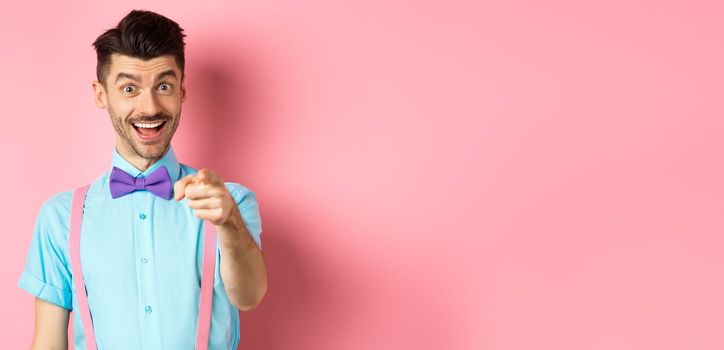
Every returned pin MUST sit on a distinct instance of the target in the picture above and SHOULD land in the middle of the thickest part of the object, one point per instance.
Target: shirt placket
(148, 310)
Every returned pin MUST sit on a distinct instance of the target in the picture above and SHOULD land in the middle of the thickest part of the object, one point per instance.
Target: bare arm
(51, 326)
(242, 264)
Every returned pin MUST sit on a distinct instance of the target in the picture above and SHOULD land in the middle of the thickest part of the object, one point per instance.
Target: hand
(207, 196)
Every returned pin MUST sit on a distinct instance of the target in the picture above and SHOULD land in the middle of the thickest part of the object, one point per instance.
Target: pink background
(468, 175)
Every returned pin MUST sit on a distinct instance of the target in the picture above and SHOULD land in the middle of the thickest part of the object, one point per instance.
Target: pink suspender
(76, 217)
(207, 276)
(207, 287)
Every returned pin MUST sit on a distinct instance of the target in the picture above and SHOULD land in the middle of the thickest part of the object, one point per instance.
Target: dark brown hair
(141, 34)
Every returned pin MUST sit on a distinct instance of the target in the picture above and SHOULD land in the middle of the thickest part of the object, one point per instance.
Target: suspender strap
(207, 276)
(76, 218)
(207, 287)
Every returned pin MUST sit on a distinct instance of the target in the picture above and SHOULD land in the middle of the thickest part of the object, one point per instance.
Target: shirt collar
(169, 160)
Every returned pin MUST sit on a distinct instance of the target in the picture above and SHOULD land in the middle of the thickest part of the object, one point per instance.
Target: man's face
(144, 100)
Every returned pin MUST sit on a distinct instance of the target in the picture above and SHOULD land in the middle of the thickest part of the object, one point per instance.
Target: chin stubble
(125, 134)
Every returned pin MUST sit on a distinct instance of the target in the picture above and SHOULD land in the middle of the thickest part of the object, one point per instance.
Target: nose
(147, 104)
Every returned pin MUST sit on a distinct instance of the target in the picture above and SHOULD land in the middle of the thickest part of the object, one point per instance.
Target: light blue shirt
(142, 260)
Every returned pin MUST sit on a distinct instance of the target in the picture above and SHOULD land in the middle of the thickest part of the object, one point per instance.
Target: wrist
(233, 223)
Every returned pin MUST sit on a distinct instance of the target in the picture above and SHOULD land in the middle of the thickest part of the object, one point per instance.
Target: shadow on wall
(317, 298)
(218, 116)
(299, 304)
(222, 117)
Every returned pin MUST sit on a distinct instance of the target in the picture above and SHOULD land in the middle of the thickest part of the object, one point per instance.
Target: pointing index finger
(203, 176)
(179, 188)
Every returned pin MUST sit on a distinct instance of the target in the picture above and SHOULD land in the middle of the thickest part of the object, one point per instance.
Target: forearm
(243, 270)
(51, 327)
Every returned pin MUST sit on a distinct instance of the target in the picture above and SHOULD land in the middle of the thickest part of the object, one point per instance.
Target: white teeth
(147, 125)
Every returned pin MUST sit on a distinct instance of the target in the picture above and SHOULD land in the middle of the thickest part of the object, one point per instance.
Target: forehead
(146, 70)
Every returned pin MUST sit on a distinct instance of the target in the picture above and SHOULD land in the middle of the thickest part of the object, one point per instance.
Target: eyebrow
(162, 75)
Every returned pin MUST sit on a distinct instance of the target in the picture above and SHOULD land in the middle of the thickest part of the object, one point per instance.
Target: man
(142, 250)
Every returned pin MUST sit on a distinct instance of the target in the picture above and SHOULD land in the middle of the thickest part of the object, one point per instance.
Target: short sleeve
(47, 273)
(249, 208)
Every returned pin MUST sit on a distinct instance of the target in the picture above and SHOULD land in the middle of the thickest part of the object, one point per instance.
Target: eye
(165, 87)
(128, 89)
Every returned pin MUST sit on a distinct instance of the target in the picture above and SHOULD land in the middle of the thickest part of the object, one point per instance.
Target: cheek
(172, 105)
(123, 108)
(120, 112)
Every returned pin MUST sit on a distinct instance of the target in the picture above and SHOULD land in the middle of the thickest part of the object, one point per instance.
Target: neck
(136, 160)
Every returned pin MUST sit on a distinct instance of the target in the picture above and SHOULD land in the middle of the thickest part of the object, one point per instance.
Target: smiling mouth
(149, 131)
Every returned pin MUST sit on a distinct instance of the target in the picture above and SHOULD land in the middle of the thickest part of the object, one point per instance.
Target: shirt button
(149, 309)
(145, 260)
(142, 216)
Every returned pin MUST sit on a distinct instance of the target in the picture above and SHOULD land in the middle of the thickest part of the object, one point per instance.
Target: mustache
(151, 119)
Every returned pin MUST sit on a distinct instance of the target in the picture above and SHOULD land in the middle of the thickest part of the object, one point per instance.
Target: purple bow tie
(158, 183)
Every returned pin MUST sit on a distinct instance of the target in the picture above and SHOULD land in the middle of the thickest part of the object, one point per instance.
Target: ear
(100, 94)
(183, 89)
